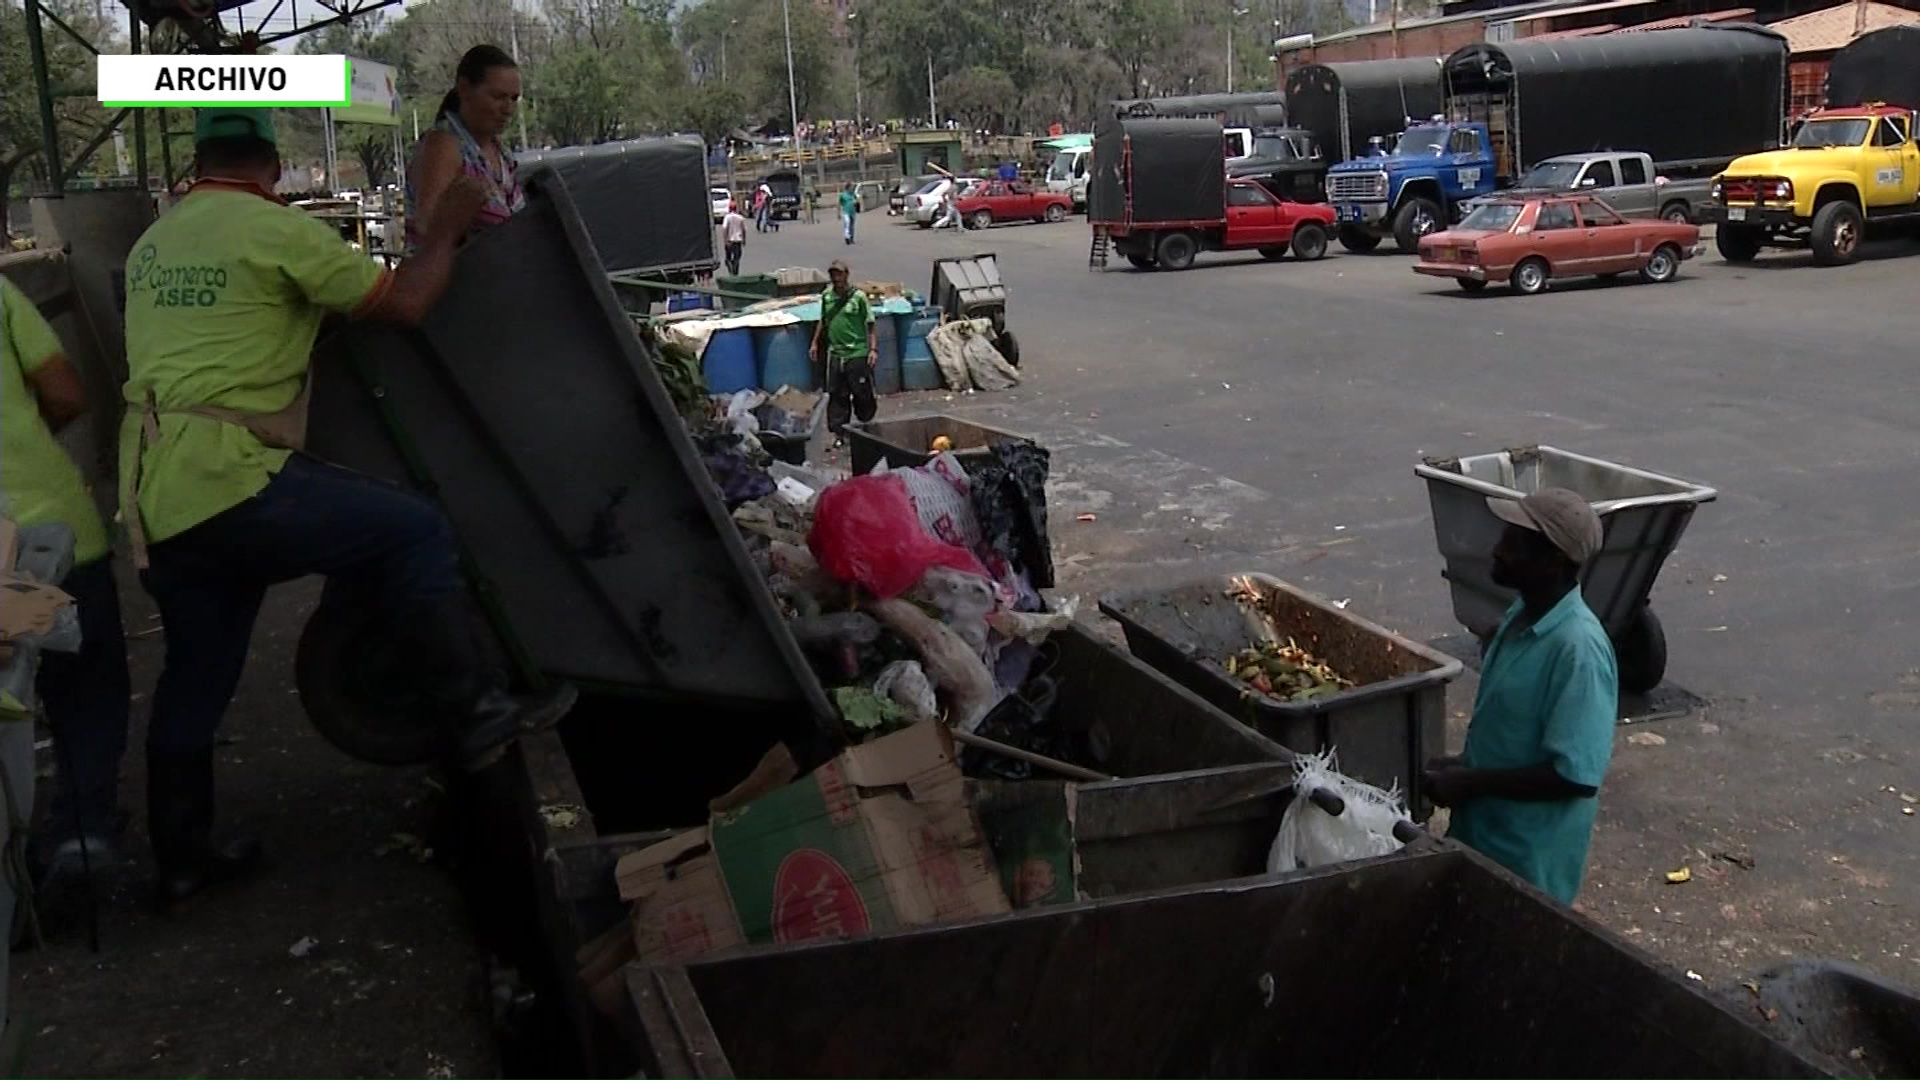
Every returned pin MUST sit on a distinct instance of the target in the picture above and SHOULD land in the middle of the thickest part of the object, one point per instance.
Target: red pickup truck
(1011, 200)
(1255, 220)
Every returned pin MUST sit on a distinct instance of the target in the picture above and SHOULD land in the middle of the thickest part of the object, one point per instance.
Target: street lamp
(793, 94)
(853, 29)
(724, 31)
(1233, 16)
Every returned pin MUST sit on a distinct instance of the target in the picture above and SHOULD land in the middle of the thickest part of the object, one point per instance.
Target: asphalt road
(1255, 415)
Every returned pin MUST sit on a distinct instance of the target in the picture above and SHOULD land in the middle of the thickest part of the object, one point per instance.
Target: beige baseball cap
(1564, 517)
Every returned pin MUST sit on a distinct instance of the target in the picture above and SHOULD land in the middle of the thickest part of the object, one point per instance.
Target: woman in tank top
(466, 139)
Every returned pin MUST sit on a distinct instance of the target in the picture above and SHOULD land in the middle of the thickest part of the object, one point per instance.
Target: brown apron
(285, 429)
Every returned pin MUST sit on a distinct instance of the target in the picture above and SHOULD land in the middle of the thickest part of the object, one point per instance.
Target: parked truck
(1692, 100)
(1160, 195)
(1349, 105)
(1847, 169)
(1628, 182)
(1287, 161)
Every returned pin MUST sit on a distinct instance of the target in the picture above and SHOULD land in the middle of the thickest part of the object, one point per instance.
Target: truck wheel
(1056, 213)
(1309, 243)
(1141, 262)
(1836, 234)
(981, 219)
(1530, 276)
(1177, 250)
(1416, 219)
(1737, 243)
(1357, 240)
(1663, 265)
(1677, 213)
(1642, 654)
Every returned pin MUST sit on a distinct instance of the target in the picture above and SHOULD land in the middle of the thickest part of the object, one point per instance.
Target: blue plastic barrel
(783, 356)
(728, 362)
(917, 369)
(886, 365)
(687, 301)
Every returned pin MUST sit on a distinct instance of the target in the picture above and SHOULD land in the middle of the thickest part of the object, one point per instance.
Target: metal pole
(333, 164)
(858, 125)
(793, 94)
(139, 115)
(513, 42)
(933, 108)
(1230, 15)
(49, 127)
(166, 154)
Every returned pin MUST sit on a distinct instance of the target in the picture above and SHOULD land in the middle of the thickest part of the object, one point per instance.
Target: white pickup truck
(1630, 182)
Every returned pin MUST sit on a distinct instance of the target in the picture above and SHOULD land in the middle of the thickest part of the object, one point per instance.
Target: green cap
(226, 122)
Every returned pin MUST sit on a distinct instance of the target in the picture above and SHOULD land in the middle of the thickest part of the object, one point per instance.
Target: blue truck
(1692, 99)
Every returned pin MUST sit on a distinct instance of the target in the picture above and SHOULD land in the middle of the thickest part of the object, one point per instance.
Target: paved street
(1252, 415)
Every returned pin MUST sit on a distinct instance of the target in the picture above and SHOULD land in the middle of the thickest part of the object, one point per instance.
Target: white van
(1068, 174)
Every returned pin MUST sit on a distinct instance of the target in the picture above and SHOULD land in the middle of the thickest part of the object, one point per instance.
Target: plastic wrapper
(1033, 627)
(905, 683)
(964, 352)
(1309, 836)
(953, 666)
(865, 531)
(838, 628)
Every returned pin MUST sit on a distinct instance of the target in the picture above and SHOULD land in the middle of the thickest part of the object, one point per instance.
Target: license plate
(1736, 213)
(1349, 213)
(1445, 254)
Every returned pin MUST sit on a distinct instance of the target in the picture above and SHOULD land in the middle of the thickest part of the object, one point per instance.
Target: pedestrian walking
(762, 205)
(846, 341)
(849, 209)
(733, 237)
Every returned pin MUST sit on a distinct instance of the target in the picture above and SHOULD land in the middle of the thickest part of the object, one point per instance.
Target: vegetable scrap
(1285, 671)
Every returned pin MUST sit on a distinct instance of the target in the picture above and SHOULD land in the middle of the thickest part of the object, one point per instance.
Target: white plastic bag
(1309, 836)
(905, 683)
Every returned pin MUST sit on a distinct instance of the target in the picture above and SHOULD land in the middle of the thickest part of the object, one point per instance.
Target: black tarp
(1214, 105)
(1696, 94)
(1344, 104)
(644, 201)
(1881, 66)
(1174, 170)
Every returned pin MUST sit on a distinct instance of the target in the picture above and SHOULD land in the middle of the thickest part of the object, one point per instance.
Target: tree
(714, 109)
(70, 70)
(981, 97)
(1138, 31)
(758, 58)
(580, 99)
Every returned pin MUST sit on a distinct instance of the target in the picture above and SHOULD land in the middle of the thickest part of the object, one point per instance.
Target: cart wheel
(331, 672)
(1642, 654)
(1009, 348)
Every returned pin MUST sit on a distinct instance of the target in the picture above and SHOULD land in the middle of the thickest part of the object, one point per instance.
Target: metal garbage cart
(595, 543)
(1433, 962)
(1384, 729)
(1176, 815)
(969, 287)
(1644, 513)
(907, 442)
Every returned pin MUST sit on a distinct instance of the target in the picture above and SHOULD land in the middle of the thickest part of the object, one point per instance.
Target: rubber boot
(180, 823)
(482, 717)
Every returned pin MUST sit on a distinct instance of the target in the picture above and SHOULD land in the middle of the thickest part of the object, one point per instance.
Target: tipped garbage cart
(1644, 514)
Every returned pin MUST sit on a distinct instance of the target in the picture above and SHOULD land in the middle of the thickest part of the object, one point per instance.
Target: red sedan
(1011, 200)
(1527, 241)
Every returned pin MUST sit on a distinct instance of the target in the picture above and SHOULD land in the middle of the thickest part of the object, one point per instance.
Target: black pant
(86, 695)
(734, 250)
(849, 390)
(312, 518)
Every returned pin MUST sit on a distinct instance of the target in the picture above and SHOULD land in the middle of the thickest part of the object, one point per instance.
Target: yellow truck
(1844, 171)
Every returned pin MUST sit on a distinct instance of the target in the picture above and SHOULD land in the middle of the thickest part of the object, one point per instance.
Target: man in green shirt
(845, 341)
(85, 692)
(1525, 790)
(225, 297)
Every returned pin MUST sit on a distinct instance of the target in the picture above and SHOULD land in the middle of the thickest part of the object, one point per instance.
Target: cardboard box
(1029, 826)
(879, 838)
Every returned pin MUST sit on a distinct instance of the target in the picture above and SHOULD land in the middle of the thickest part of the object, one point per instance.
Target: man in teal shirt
(1525, 790)
(849, 209)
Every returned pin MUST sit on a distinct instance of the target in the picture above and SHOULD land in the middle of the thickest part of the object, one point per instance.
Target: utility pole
(513, 42)
(853, 30)
(933, 107)
(793, 94)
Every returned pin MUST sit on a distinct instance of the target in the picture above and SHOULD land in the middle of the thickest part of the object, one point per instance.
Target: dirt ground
(349, 957)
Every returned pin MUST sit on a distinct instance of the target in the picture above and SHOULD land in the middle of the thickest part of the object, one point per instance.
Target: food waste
(1285, 672)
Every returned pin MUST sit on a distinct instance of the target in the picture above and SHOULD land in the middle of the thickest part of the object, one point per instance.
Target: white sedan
(722, 199)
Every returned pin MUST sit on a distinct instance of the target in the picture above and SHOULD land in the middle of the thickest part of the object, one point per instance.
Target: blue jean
(846, 227)
(390, 545)
(86, 694)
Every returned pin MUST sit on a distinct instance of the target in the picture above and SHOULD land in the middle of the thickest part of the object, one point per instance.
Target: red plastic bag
(865, 531)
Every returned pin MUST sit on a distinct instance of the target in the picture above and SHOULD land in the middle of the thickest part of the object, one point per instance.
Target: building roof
(1682, 21)
(1832, 28)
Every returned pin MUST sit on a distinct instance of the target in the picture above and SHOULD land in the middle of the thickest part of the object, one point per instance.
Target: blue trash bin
(728, 362)
(783, 356)
(886, 365)
(917, 369)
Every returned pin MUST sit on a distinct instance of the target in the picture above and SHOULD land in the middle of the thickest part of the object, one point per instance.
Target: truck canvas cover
(1156, 170)
(1881, 66)
(644, 201)
(1697, 94)
(1344, 104)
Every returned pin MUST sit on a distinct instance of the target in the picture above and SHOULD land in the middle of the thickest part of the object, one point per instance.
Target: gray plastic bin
(1644, 513)
(1384, 729)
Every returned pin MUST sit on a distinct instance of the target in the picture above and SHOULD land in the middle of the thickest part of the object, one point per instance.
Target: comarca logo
(275, 81)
